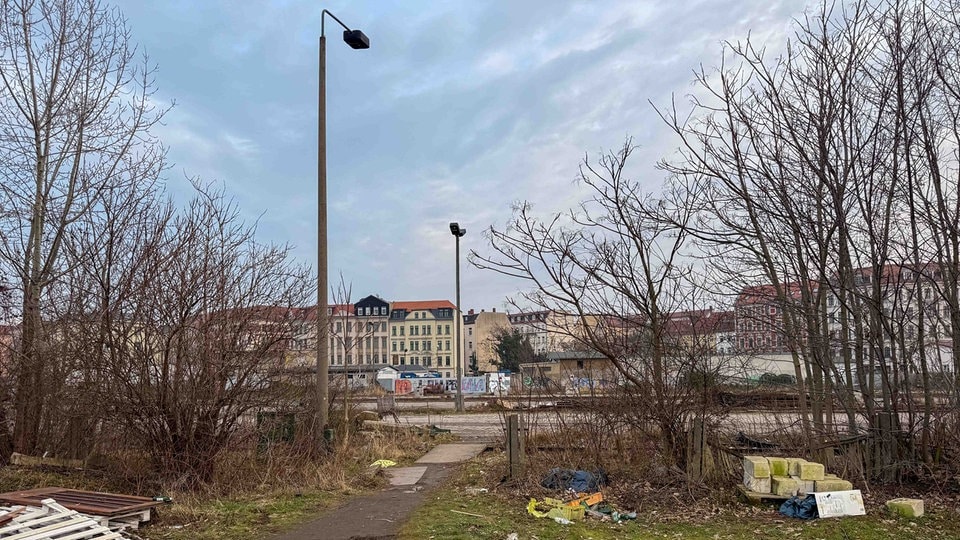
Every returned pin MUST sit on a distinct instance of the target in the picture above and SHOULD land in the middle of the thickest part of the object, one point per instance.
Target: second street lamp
(356, 40)
(457, 232)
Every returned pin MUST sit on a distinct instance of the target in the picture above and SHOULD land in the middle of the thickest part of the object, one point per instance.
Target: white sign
(840, 503)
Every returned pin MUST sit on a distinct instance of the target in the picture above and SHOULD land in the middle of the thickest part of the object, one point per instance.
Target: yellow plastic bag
(384, 463)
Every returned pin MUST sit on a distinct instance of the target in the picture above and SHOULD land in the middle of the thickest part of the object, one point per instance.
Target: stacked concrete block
(808, 470)
(756, 474)
(778, 466)
(789, 476)
(910, 508)
(805, 486)
(832, 484)
(784, 485)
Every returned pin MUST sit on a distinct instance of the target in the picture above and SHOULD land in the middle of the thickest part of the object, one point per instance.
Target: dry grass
(253, 493)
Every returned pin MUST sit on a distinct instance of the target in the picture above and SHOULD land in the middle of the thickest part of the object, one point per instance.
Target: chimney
(470, 312)
(481, 311)
(494, 310)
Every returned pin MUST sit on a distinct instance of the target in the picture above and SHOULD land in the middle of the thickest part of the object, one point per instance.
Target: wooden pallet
(755, 497)
(88, 502)
(52, 521)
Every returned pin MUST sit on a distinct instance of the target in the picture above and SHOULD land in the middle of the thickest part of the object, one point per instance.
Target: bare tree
(619, 264)
(76, 113)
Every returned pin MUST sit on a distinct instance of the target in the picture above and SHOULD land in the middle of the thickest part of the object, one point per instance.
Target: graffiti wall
(474, 385)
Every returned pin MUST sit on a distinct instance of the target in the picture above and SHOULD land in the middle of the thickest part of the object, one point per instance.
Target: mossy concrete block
(784, 485)
(756, 466)
(778, 466)
(832, 484)
(805, 486)
(810, 471)
(760, 485)
(793, 465)
(910, 508)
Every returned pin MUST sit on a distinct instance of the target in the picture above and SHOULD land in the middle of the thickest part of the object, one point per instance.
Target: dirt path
(380, 515)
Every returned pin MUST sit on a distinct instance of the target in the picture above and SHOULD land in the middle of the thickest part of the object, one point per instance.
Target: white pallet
(53, 522)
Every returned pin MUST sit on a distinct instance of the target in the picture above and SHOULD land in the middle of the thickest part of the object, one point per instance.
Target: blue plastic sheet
(801, 508)
(579, 481)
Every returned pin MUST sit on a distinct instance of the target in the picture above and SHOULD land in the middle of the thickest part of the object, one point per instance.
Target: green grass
(238, 517)
(502, 515)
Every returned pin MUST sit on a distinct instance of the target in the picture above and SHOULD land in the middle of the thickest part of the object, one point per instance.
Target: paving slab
(453, 453)
(404, 476)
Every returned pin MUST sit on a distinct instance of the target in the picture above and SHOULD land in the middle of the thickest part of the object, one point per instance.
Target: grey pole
(323, 354)
(356, 40)
(459, 321)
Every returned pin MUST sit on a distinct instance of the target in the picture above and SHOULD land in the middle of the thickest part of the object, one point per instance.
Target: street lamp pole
(356, 40)
(458, 233)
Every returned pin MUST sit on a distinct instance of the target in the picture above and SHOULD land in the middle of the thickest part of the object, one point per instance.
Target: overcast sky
(457, 111)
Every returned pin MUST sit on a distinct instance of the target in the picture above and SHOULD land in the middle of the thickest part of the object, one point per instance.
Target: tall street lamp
(458, 233)
(356, 40)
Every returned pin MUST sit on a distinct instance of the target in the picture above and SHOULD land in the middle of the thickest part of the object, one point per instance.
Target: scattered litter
(578, 481)
(587, 499)
(562, 521)
(583, 504)
(475, 490)
(384, 463)
(800, 507)
(557, 509)
(513, 536)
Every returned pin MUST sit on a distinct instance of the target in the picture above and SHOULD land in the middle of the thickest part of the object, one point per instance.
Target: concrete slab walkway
(453, 453)
(404, 476)
(379, 515)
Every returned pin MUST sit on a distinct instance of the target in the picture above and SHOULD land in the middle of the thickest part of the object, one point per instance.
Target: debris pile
(109, 510)
(581, 497)
(52, 521)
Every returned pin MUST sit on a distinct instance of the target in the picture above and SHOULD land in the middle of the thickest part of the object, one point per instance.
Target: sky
(458, 110)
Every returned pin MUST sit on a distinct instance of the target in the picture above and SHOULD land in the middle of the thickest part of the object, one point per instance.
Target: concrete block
(805, 486)
(810, 471)
(910, 508)
(832, 484)
(778, 466)
(760, 485)
(756, 466)
(793, 467)
(784, 485)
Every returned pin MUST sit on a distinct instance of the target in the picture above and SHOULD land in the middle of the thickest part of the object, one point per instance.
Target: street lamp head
(456, 230)
(356, 39)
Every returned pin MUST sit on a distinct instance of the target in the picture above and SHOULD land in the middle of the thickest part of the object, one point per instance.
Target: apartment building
(423, 333)
(358, 333)
(548, 331)
(480, 338)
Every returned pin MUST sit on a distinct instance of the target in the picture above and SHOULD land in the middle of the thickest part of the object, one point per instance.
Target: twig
(468, 514)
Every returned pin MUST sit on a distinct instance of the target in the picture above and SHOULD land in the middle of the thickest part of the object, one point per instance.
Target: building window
(447, 332)
(447, 361)
(448, 345)
(470, 331)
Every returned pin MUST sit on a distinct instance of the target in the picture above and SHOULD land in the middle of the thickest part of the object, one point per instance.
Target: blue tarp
(579, 481)
(801, 508)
